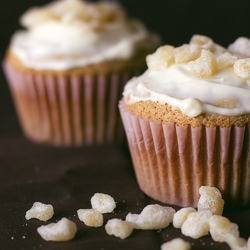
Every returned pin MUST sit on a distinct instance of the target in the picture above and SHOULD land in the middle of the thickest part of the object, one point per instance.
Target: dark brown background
(68, 177)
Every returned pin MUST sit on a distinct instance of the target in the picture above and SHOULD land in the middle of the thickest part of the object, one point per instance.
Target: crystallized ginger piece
(236, 243)
(197, 224)
(40, 211)
(205, 66)
(212, 191)
(242, 68)
(152, 217)
(176, 244)
(161, 59)
(63, 230)
(186, 53)
(220, 227)
(225, 60)
(103, 203)
(118, 228)
(241, 46)
(210, 199)
(181, 215)
(203, 41)
(90, 217)
(37, 16)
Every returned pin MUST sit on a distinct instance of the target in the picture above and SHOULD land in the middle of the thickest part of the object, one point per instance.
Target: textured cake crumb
(168, 114)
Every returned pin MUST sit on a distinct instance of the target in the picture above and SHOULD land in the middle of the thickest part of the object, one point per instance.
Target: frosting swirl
(223, 92)
(73, 33)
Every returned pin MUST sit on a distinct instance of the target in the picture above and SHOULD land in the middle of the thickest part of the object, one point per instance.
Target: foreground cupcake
(187, 121)
(67, 69)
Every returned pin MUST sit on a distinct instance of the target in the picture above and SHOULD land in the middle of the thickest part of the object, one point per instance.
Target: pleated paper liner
(69, 110)
(171, 162)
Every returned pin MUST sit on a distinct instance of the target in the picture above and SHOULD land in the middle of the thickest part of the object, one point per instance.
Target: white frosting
(177, 87)
(61, 36)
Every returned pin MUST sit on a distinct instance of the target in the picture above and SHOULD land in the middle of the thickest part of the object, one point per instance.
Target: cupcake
(187, 122)
(67, 68)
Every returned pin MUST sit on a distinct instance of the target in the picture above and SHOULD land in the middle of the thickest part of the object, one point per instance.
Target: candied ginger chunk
(90, 217)
(197, 224)
(207, 190)
(210, 199)
(205, 66)
(103, 203)
(161, 59)
(119, 228)
(225, 60)
(236, 243)
(240, 46)
(204, 41)
(176, 244)
(40, 211)
(181, 215)
(63, 230)
(221, 226)
(37, 16)
(242, 68)
(152, 217)
(186, 53)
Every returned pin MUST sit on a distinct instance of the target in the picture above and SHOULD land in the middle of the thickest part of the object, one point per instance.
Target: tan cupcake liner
(171, 162)
(69, 110)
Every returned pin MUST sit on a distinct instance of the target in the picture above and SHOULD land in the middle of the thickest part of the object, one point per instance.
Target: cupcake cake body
(187, 122)
(67, 69)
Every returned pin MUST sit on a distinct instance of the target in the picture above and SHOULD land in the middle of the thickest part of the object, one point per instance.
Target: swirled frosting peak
(201, 77)
(73, 33)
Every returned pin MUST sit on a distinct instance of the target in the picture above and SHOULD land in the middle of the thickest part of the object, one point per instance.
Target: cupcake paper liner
(68, 110)
(172, 162)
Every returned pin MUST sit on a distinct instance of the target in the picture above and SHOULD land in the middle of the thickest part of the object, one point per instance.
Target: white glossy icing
(62, 36)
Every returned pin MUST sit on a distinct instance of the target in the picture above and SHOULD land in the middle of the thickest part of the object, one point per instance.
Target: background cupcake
(67, 69)
(187, 122)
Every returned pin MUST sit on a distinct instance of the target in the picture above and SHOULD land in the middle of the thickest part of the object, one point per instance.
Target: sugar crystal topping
(201, 77)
